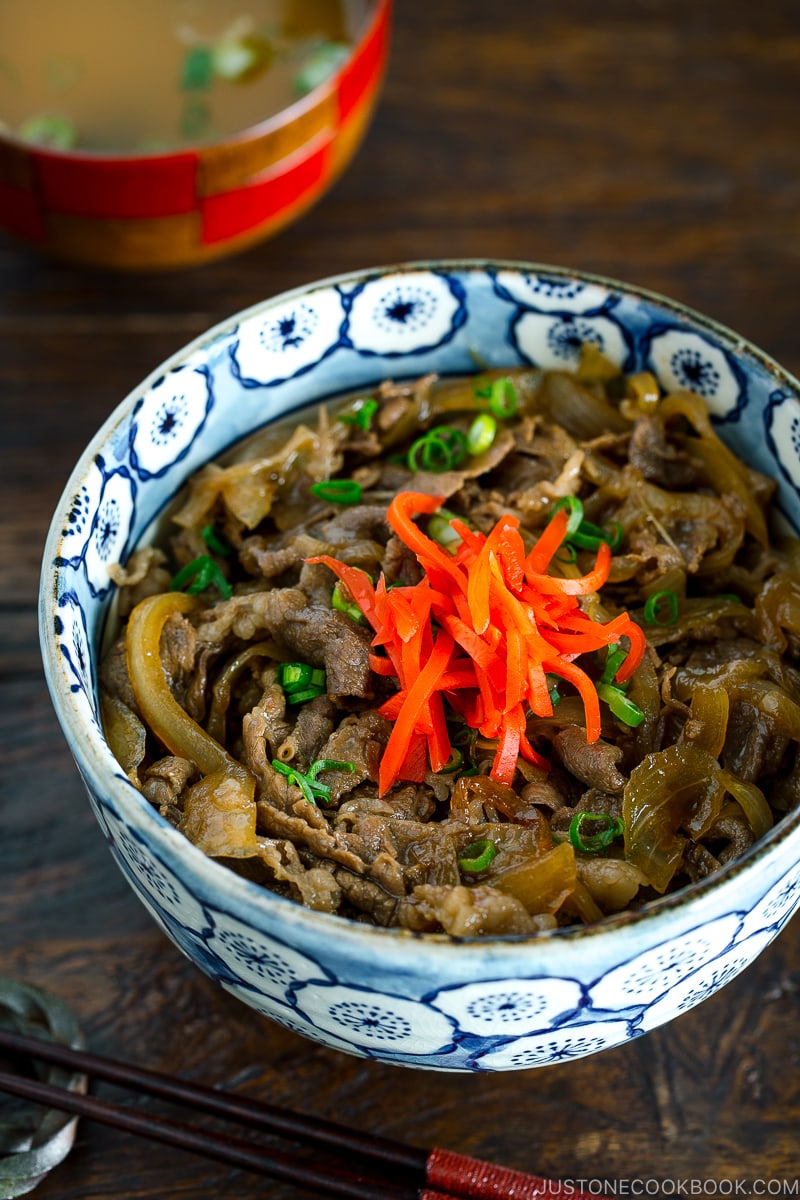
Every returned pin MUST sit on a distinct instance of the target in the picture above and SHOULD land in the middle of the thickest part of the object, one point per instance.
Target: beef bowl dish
(428, 640)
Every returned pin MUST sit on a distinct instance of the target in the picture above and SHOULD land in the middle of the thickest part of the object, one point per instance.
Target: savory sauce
(153, 75)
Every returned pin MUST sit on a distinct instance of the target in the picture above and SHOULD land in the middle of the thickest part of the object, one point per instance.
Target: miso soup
(151, 75)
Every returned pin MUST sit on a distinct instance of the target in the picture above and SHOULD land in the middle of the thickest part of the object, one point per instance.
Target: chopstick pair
(374, 1168)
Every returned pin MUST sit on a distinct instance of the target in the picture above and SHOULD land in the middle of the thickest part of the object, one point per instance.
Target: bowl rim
(281, 119)
(244, 893)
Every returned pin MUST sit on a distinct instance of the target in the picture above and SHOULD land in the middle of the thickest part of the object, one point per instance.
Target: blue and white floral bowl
(430, 1001)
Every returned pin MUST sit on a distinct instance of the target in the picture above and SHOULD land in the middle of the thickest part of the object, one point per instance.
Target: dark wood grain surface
(656, 142)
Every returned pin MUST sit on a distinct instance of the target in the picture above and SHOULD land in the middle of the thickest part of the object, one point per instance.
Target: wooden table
(654, 142)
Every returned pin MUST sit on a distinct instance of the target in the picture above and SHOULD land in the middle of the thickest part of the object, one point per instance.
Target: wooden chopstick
(258, 1114)
(376, 1168)
(328, 1180)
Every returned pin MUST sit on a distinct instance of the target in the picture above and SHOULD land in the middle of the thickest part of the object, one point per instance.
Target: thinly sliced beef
(314, 725)
(322, 637)
(595, 764)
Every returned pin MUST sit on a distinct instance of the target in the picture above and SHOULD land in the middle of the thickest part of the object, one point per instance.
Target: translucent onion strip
(159, 708)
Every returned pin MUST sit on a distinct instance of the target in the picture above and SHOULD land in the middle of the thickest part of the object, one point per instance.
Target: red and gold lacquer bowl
(178, 209)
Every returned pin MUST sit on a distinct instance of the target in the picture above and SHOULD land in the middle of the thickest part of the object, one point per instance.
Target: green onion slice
(500, 396)
(615, 657)
(622, 708)
(342, 604)
(216, 541)
(197, 575)
(441, 531)
(610, 829)
(308, 783)
(588, 536)
(329, 764)
(302, 697)
(338, 491)
(440, 449)
(296, 777)
(477, 856)
(481, 434)
(575, 509)
(453, 763)
(361, 413)
(661, 608)
(294, 675)
(583, 533)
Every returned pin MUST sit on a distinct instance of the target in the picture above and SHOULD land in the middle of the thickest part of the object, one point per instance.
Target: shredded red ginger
(479, 633)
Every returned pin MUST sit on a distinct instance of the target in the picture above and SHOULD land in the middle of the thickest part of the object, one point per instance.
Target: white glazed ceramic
(422, 1001)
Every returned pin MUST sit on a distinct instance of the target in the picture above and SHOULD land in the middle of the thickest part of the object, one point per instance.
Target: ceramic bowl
(188, 206)
(422, 1001)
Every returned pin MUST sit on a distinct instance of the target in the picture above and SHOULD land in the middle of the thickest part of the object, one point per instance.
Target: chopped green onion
(661, 608)
(55, 132)
(241, 59)
(615, 657)
(297, 678)
(552, 683)
(342, 604)
(575, 509)
(615, 536)
(294, 675)
(566, 553)
(338, 491)
(440, 449)
(329, 764)
(199, 574)
(588, 536)
(501, 397)
(614, 827)
(477, 856)
(441, 531)
(296, 777)
(361, 413)
(308, 783)
(216, 541)
(453, 763)
(481, 434)
(583, 533)
(198, 69)
(324, 60)
(622, 708)
(304, 696)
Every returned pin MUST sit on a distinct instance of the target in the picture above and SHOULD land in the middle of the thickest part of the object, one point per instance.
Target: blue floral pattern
(412, 312)
(373, 1020)
(782, 428)
(168, 418)
(537, 1050)
(775, 907)
(705, 981)
(288, 340)
(554, 342)
(686, 361)
(72, 639)
(289, 1018)
(512, 1006)
(503, 1005)
(552, 293)
(271, 969)
(648, 975)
